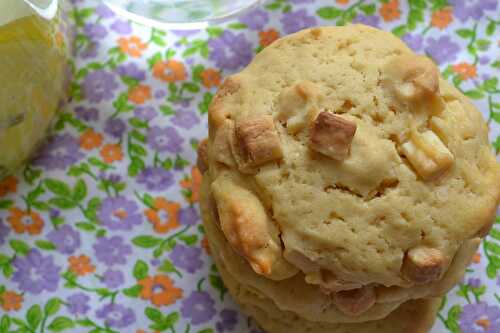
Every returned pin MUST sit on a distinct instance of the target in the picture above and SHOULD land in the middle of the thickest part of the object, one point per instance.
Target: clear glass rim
(194, 25)
(45, 8)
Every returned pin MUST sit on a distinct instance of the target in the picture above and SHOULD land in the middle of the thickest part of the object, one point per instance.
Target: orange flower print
(23, 221)
(484, 323)
(8, 185)
(476, 258)
(11, 301)
(139, 94)
(465, 70)
(193, 185)
(267, 37)
(169, 71)
(342, 2)
(90, 139)
(210, 78)
(390, 10)
(160, 290)
(442, 18)
(164, 215)
(132, 46)
(111, 153)
(206, 245)
(81, 265)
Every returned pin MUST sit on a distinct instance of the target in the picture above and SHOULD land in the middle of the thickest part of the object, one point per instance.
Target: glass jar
(35, 50)
(180, 14)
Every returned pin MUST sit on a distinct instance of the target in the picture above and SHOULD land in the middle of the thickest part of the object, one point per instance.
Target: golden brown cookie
(347, 176)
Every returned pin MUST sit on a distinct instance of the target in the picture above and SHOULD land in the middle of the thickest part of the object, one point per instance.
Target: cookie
(295, 296)
(346, 176)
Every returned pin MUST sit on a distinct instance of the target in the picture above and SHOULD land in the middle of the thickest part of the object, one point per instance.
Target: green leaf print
(34, 316)
(146, 241)
(52, 306)
(58, 187)
(132, 291)
(153, 314)
(474, 94)
(329, 13)
(45, 245)
(6, 204)
(140, 270)
(60, 324)
(19, 247)
(4, 324)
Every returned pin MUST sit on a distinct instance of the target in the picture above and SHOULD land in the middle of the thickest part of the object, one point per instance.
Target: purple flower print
(185, 119)
(159, 94)
(185, 33)
(198, 307)
(4, 231)
(121, 27)
(474, 283)
(414, 42)
(111, 251)
(155, 178)
(116, 315)
(255, 19)
(188, 216)
(475, 314)
(119, 213)
(35, 273)
(78, 304)
(83, 113)
(442, 49)
(483, 60)
(113, 279)
(165, 139)
(59, 153)
(465, 9)
(297, 20)
(131, 70)
(229, 319)
(187, 258)
(145, 113)
(66, 239)
(112, 178)
(95, 31)
(115, 127)
(90, 51)
(370, 20)
(99, 86)
(230, 51)
(301, 1)
(104, 11)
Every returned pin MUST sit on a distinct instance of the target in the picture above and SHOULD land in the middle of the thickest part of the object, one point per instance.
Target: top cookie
(340, 153)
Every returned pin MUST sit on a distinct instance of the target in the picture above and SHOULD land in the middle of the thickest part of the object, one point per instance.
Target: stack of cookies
(346, 185)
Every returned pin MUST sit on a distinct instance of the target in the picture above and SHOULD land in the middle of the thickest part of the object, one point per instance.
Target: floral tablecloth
(101, 233)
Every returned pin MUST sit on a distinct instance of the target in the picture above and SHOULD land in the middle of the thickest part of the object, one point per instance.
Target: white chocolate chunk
(257, 141)
(423, 265)
(332, 135)
(297, 106)
(427, 154)
(411, 77)
(356, 301)
(248, 228)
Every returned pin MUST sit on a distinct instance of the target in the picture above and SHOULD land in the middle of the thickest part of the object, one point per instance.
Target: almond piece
(423, 264)
(258, 141)
(356, 301)
(411, 77)
(332, 135)
(202, 159)
(427, 154)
